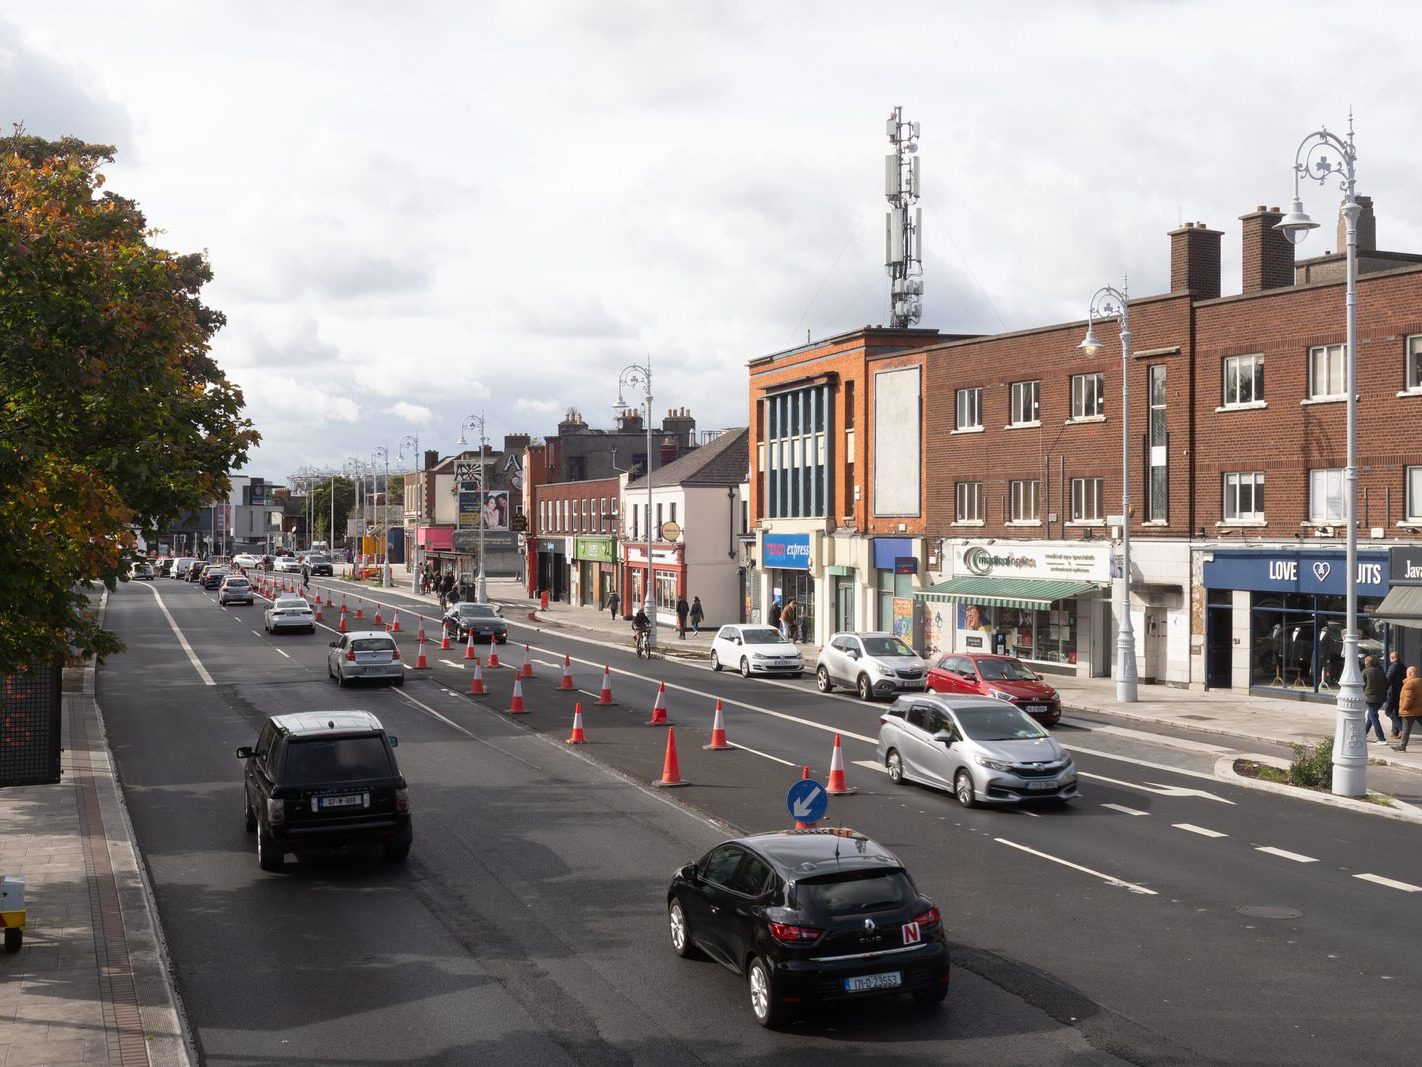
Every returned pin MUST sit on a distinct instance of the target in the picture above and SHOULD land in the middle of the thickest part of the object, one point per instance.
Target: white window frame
(1238, 369)
(1025, 497)
(1412, 493)
(1412, 366)
(971, 398)
(1026, 404)
(1325, 495)
(1333, 372)
(1235, 484)
(1088, 396)
(968, 497)
(1086, 496)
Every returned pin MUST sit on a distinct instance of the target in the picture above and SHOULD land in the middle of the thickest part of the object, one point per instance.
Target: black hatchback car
(318, 780)
(810, 917)
(481, 620)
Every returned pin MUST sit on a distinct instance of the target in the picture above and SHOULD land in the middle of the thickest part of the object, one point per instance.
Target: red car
(1005, 677)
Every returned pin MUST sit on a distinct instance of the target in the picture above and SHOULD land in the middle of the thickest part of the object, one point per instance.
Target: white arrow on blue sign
(807, 800)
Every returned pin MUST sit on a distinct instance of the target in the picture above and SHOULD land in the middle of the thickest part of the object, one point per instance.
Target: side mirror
(946, 736)
(394, 741)
(335, 643)
(1040, 678)
(689, 874)
(245, 752)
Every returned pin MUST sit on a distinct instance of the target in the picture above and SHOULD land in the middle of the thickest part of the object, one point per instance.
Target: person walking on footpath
(787, 621)
(774, 614)
(1396, 675)
(613, 603)
(683, 609)
(1375, 696)
(698, 613)
(1409, 704)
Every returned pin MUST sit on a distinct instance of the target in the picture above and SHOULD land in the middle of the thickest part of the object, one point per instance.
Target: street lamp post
(413, 441)
(382, 518)
(632, 376)
(1110, 303)
(472, 422)
(1350, 756)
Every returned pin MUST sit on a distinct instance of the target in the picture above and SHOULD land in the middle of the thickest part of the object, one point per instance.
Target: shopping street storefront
(668, 581)
(786, 565)
(1399, 616)
(594, 577)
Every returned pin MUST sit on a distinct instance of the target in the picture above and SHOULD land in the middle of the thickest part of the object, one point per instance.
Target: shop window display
(1048, 636)
(1297, 640)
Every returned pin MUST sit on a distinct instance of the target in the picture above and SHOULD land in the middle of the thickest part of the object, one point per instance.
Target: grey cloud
(54, 101)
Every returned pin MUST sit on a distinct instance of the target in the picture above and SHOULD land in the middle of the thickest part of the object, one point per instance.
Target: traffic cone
(376, 622)
(527, 671)
(605, 697)
(395, 622)
(517, 708)
(671, 770)
(659, 708)
(444, 636)
(799, 825)
(342, 628)
(476, 686)
(318, 610)
(577, 737)
(360, 608)
(837, 786)
(493, 654)
(329, 602)
(420, 636)
(567, 682)
(718, 732)
(469, 647)
(420, 660)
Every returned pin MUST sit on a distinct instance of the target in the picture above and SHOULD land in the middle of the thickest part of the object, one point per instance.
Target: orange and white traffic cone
(376, 622)
(799, 824)
(577, 737)
(476, 684)
(469, 646)
(420, 660)
(517, 708)
(605, 697)
(527, 670)
(342, 627)
(329, 602)
(837, 786)
(420, 635)
(395, 622)
(493, 654)
(318, 610)
(567, 682)
(718, 732)
(360, 608)
(659, 708)
(444, 636)
(671, 770)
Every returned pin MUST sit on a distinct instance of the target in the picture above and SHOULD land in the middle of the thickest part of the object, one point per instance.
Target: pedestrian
(683, 609)
(1396, 675)
(1410, 704)
(774, 614)
(305, 576)
(445, 588)
(613, 603)
(1375, 696)
(787, 621)
(697, 614)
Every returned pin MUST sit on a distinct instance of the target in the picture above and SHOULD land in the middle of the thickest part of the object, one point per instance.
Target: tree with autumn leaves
(113, 415)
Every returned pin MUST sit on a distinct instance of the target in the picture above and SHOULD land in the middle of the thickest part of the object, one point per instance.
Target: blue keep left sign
(807, 800)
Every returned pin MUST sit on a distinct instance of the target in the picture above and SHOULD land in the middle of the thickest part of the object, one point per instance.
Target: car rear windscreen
(854, 892)
(372, 644)
(337, 759)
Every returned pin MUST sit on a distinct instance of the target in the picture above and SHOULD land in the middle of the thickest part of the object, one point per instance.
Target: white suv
(872, 664)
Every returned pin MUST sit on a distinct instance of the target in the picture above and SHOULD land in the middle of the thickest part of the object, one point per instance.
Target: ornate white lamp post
(633, 376)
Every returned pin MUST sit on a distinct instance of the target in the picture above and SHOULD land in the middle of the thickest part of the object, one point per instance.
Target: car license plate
(1036, 709)
(888, 980)
(352, 800)
(1041, 787)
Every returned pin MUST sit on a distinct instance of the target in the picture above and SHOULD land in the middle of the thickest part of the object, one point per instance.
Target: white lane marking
(1202, 831)
(1284, 854)
(767, 755)
(1109, 879)
(870, 765)
(1155, 787)
(279, 652)
(1124, 810)
(183, 641)
(1141, 763)
(1141, 735)
(1378, 879)
(452, 663)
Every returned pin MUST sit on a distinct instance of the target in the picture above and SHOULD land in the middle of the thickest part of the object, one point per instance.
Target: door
(923, 754)
(1219, 646)
(844, 604)
(706, 905)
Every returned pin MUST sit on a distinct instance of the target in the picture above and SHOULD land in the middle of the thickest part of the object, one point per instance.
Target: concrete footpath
(91, 983)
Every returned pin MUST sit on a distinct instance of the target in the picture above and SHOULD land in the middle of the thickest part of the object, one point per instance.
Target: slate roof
(721, 461)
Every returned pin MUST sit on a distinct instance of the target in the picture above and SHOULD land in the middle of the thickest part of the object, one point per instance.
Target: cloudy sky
(420, 210)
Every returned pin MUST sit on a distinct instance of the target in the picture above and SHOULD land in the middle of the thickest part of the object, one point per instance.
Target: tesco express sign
(786, 551)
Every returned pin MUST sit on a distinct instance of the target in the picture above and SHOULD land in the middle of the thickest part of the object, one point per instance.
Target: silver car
(235, 589)
(985, 751)
(289, 612)
(872, 664)
(365, 654)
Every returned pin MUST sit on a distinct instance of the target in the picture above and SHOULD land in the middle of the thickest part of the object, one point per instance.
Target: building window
(1025, 495)
(1414, 364)
(673, 511)
(1025, 410)
(849, 405)
(1244, 497)
(970, 502)
(1414, 494)
(1086, 500)
(797, 475)
(659, 520)
(1087, 396)
(970, 409)
(1158, 442)
(1325, 495)
(1325, 373)
(1243, 380)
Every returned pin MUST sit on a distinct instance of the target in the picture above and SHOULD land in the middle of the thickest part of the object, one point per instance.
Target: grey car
(872, 664)
(235, 589)
(365, 654)
(985, 751)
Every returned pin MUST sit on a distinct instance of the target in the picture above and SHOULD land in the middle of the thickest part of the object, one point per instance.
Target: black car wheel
(396, 851)
(928, 998)
(269, 854)
(822, 680)
(963, 789)
(768, 1012)
(715, 661)
(680, 931)
(399, 681)
(866, 691)
(249, 817)
(340, 679)
(895, 764)
(745, 667)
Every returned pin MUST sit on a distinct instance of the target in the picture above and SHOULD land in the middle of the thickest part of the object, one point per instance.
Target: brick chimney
(1268, 254)
(1367, 227)
(668, 451)
(1195, 261)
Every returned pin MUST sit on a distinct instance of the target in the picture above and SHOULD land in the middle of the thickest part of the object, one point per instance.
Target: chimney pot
(1195, 261)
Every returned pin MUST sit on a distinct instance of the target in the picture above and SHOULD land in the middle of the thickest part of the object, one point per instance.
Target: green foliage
(1313, 765)
(321, 507)
(113, 415)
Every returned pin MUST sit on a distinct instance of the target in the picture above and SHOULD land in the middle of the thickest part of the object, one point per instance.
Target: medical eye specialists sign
(786, 551)
(1322, 573)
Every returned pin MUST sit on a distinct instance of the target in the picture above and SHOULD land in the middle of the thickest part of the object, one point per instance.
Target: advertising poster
(496, 509)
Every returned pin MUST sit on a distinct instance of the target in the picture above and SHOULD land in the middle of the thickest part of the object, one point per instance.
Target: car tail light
(276, 810)
(788, 934)
(883, 720)
(402, 800)
(395, 654)
(350, 654)
(928, 919)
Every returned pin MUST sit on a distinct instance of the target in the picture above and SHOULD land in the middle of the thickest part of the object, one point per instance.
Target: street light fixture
(632, 376)
(383, 518)
(1109, 303)
(472, 422)
(1350, 757)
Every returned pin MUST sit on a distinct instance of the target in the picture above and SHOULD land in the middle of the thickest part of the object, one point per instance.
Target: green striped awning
(1030, 594)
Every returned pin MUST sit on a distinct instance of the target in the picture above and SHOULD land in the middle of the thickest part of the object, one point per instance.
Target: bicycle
(643, 644)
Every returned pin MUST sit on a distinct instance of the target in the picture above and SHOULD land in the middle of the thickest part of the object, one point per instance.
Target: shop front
(785, 562)
(553, 567)
(595, 564)
(668, 578)
(1275, 617)
(436, 547)
(895, 575)
(1399, 616)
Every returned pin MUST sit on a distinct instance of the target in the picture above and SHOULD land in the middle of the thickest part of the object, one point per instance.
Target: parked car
(141, 571)
(322, 780)
(1004, 678)
(235, 589)
(985, 751)
(245, 560)
(181, 566)
(755, 650)
(212, 576)
(810, 917)
(872, 664)
(319, 565)
(365, 654)
(286, 565)
(289, 611)
(482, 620)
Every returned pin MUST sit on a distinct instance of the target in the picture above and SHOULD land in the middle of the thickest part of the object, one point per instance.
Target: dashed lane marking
(1201, 830)
(1109, 879)
(1378, 879)
(1124, 810)
(767, 755)
(870, 765)
(280, 652)
(1284, 854)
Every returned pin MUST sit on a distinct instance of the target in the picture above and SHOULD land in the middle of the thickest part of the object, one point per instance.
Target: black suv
(810, 916)
(323, 780)
(319, 565)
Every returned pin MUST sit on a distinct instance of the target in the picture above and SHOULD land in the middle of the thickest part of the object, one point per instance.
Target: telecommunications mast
(903, 253)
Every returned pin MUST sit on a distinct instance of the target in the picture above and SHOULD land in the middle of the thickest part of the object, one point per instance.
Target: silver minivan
(985, 751)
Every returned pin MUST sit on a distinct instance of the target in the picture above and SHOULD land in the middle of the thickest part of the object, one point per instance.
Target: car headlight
(1000, 695)
(758, 657)
(995, 764)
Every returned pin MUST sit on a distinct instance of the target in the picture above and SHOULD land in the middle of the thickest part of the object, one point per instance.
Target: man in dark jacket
(1396, 674)
(1375, 696)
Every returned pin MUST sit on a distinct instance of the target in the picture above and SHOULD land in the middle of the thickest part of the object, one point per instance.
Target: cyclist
(641, 629)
